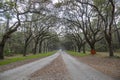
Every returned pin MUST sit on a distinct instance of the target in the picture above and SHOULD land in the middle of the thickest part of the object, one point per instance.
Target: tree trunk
(40, 49)
(79, 48)
(1, 50)
(25, 50)
(110, 49)
(108, 38)
(6, 36)
(93, 51)
(46, 47)
(2, 44)
(84, 49)
(35, 48)
(74, 47)
(118, 34)
(40, 45)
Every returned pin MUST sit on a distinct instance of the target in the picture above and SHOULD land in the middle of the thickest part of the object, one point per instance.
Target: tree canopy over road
(36, 26)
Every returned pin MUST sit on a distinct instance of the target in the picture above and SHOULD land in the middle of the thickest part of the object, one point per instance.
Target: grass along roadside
(99, 54)
(21, 58)
(77, 53)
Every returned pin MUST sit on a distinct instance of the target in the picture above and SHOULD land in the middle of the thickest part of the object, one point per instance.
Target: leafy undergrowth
(21, 58)
(77, 53)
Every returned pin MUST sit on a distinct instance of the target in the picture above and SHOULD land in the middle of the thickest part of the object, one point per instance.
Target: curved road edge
(22, 72)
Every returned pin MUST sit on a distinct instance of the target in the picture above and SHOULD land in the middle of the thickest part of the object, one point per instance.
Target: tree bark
(1, 51)
(40, 45)
(84, 49)
(110, 50)
(2, 44)
(35, 48)
(110, 46)
(27, 41)
(25, 50)
(4, 39)
(79, 48)
(108, 38)
(93, 51)
(117, 31)
(74, 48)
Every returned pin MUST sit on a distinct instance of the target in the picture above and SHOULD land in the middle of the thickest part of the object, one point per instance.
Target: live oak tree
(27, 30)
(17, 9)
(82, 17)
(6, 6)
(76, 36)
(106, 11)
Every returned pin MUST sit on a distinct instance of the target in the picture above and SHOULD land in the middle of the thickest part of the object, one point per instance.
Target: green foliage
(14, 45)
(99, 2)
(1, 4)
(7, 4)
(77, 54)
(58, 5)
(8, 52)
(103, 6)
(7, 15)
(21, 58)
(45, 1)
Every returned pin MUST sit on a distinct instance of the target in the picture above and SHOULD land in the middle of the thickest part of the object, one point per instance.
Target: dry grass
(106, 54)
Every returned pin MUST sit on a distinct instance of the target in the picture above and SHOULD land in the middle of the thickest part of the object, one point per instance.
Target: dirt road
(76, 69)
(81, 71)
(22, 72)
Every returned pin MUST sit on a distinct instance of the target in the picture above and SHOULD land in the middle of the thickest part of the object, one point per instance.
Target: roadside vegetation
(9, 60)
(77, 53)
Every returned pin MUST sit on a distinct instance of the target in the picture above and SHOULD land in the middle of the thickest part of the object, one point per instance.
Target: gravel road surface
(22, 72)
(81, 71)
(76, 69)
(56, 70)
